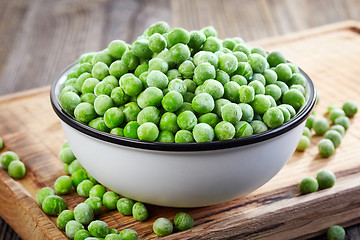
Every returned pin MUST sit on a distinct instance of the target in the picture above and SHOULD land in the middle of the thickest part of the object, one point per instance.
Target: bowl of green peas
(183, 119)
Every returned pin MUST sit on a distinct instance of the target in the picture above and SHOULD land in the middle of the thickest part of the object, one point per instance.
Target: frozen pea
(260, 104)
(343, 121)
(326, 148)
(340, 129)
(214, 88)
(74, 166)
(83, 213)
(350, 108)
(113, 117)
(69, 101)
(168, 122)
(162, 227)
(241, 80)
(95, 203)
(7, 157)
(43, 193)
(209, 31)
(210, 118)
(84, 112)
(275, 58)
(103, 88)
(257, 62)
(117, 48)
(173, 74)
(179, 53)
(294, 98)
(131, 110)
(231, 91)
(66, 155)
(321, 125)
(244, 69)
(203, 132)
(224, 131)
(78, 176)
(326, 179)
(125, 206)
(148, 114)
(197, 38)
(148, 132)
(130, 60)
(212, 44)
(184, 136)
(139, 212)
(130, 130)
(89, 85)
(53, 205)
(140, 48)
(92, 179)
(131, 85)
(289, 108)
(80, 80)
(258, 126)
(205, 57)
(307, 132)
(63, 185)
(82, 235)
(335, 113)
(102, 56)
(102, 104)
(143, 78)
(299, 88)
(186, 120)
(242, 47)
(98, 228)
(187, 68)
(203, 103)
(247, 112)
(241, 57)
(72, 227)
(273, 117)
(333, 136)
(283, 71)
(204, 71)
(128, 234)
(97, 191)
(286, 113)
(88, 98)
(228, 63)
(259, 50)
(84, 188)
(284, 88)
(177, 85)
(243, 129)
(166, 136)
(336, 233)
(308, 185)
(310, 121)
(219, 104)
(188, 97)
(294, 68)
(113, 236)
(183, 221)
(259, 88)
(99, 124)
(100, 70)
(178, 35)
(118, 69)
(157, 79)
(222, 77)
(152, 96)
(304, 142)
(274, 91)
(113, 231)
(190, 85)
(157, 43)
(157, 27)
(270, 76)
(246, 94)
(86, 57)
(199, 89)
(144, 67)
(297, 79)
(158, 64)
(272, 101)
(63, 218)
(231, 112)
(172, 101)
(229, 43)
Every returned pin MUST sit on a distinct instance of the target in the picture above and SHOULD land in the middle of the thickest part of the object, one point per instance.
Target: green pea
(257, 62)
(273, 117)
(84, 188)
(117, 48)
(43, 193)
(259, 88)
(284, 88)
(162, 227)
(179, 53)
(113, 236)
(102, 56)
(243, 129)
(69, 101)
(350, 108)
(72, 227)
(247, 112)
(89, 85)
(157, 42)
(130, 84)
(241, 47)
(158, 64)
(188, 97)
(148, 132)
(139, 212)
(186, 120)
(258, 126)
(326, 148)
(333, 136)
(294, 98)
(241, 57)
(80, 81)
(172, 101)
(100, 70)
(141, 49)
(310, 121)
(197, 38)
(229, 43)
(205, 57)
(210, 118)
(308, 185)
(260, 104)
(283, 72)
(173, 74)
(307, 132)
(157, 79)
(92, 179)
(98, 228)
(184, 136)
(53, 205)
(214, 88)
(16, 169)
(102, 104)
(259, 50)
(130, 130)
(125, 206)
(78, 176)
(113, 117)
(86, 57)
(275, 58)
(190, 85)
(340, 129)
(183, 221)
(149, 114)
(7, 157)
(274, 91)
(178, 35)
(231, 112)
(304, 142)
(246, 94)
(270, 76)
(83, 213)
(343, 121)
(289, 108)
(232, 91)
(166, 136)
(63, 218)
(97, 191)
(297, 79)
(203, 132)
(326, 179)
(224, 131)
(82, 235)
(110, 199)
(228, 63)
(118, 69)
(103, 88)
(130, 60)
(84, 112)
(63, 185)
(336, 233)
(204, 71)
(219, 104)
(187, 68)
(95, 203)
(321, 125)
(157, 27)
(128, 234)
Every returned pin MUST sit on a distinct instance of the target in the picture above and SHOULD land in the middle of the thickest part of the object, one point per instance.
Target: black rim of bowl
(184, 147)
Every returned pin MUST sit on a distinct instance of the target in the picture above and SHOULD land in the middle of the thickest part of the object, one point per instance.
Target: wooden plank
(274, 211)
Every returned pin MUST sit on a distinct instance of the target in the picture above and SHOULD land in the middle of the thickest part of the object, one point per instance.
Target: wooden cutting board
(331, 57)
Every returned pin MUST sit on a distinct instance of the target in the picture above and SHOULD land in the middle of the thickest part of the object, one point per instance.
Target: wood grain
(274, 211)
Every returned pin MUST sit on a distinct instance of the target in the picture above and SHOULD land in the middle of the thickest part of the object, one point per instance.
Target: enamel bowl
(182, 175)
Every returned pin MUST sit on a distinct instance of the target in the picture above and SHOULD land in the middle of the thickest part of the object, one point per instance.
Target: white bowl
(182, 175)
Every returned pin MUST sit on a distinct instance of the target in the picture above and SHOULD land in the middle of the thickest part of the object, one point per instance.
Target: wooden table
(39, 38)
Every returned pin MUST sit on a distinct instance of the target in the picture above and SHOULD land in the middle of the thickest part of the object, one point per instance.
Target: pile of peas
(74, 222)
(340, 118)
(171, 85)
(11, 163)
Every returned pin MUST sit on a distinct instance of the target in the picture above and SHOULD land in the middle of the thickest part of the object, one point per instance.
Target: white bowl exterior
(183, 179)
